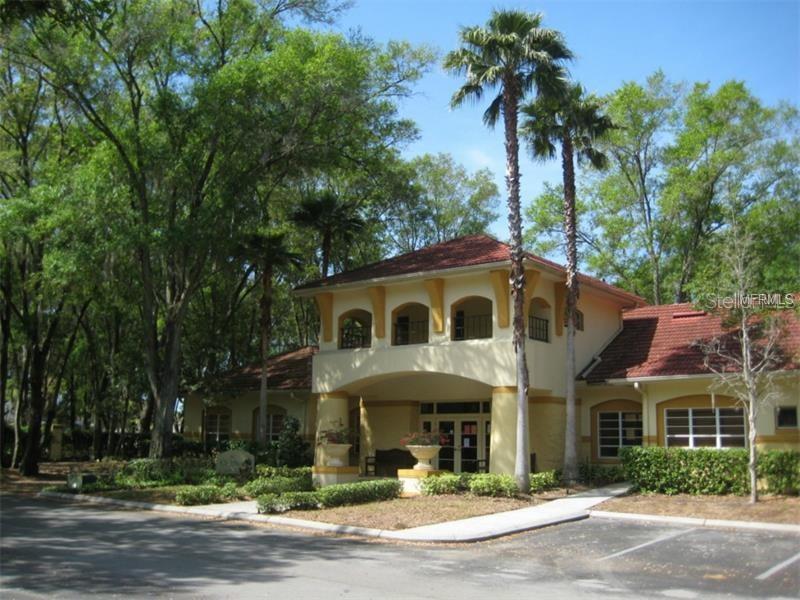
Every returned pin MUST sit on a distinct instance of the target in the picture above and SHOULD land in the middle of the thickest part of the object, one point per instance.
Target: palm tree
(514, 55)
(575, 122)
(270, 251)
(331, 217)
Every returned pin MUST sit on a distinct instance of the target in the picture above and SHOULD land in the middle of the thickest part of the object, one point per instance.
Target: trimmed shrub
(544, 480)
(601, 474)
(273, 503)
(683, 471)
(446, 483)
(151, 472)
(199, 494)
(277, 485)
(493, 484)
(269, 503)
(270, 471)
(360, 492)
(780, 470)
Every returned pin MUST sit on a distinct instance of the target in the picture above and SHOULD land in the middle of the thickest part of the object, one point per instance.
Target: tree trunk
(167, 392)
(5, 326)
(266, 332)
(29, 464)
(570, 472)
(510, 106)
(146, 418)
(327, 242)
(22, 401)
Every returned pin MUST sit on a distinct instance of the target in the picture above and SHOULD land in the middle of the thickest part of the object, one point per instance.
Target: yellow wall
(547, 421)
(242, 406)
(384, 424)
(502, 456)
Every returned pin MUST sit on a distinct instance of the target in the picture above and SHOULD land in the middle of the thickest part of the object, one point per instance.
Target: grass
(403, 513)
(769, 509)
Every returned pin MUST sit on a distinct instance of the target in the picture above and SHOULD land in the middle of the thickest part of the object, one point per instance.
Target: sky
(614, 42)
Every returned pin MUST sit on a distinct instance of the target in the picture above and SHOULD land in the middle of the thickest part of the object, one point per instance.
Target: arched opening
(471, 318)
(410, 324)
(539, 320)
(276, 417)
(355, 329)
(578, 319)
(216, 425)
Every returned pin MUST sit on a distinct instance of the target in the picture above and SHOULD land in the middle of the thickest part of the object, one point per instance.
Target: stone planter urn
(424, 455)
(336, 454)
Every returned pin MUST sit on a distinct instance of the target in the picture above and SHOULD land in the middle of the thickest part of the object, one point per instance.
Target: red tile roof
(287, 371)
(658, 341)
(467, 251)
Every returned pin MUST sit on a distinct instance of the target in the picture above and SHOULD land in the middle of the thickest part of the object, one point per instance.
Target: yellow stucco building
(422, 341)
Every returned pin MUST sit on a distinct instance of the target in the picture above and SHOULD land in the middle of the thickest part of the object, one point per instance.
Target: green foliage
(683, 471)
(359, 492)
(291, 450)
(272, 503)
(148, 472)
(270, 471)
(493, 484)
(543, 480)
(200, 494)
(781, 470)
(277, 485)
(601, 474)
(447, 483)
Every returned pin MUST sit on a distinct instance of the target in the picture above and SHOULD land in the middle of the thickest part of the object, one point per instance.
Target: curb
(414, 534)
(697, 522)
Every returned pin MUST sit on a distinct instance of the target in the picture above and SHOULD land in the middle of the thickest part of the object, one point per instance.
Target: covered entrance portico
(382, 410)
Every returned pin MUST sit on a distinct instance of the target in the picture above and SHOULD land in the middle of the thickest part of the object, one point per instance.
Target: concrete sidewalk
(473, 529)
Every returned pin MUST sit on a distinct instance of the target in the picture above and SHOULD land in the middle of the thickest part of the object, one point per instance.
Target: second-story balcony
(410, 332)
(539, 329)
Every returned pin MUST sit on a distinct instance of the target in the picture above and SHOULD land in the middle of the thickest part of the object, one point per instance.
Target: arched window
(539, 320)
(355, 329)
(471, 318)
(410, 324)
(217, 425)
(276, 416)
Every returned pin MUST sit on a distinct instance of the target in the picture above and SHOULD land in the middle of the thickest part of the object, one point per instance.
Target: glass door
(468, 444)
(447, 455)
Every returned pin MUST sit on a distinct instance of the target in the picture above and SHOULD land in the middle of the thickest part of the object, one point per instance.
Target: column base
(323, 476)
(412, 478)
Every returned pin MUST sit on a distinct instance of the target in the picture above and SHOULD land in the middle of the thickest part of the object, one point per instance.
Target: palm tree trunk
(510, 107)
(570, 472)
(266, 334)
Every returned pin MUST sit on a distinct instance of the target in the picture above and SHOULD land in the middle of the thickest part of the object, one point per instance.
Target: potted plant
(336, 444)
(424, 446)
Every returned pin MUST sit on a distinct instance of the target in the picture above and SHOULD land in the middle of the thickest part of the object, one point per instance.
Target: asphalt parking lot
(52, 549)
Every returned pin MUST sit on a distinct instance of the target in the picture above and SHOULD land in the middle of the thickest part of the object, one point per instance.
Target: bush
(600, 474)
(543, 481)
(781, 471)
(493, 484)
(360, 492)
(270, 471)
(277, 485)
(273, 503)
(441, 484)
(682, 471)
(199, 494)
(151, 472)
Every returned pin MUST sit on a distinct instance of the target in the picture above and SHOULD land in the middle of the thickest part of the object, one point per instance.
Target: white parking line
(663, 538)
(778, 567)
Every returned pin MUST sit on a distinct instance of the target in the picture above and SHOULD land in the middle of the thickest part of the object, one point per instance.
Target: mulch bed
(769, 509)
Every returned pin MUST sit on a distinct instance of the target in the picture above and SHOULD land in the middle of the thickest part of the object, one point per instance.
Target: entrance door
(447, 454)
(468, 442)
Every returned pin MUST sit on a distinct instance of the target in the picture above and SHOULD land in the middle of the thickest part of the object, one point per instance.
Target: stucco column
(332, 413)
(504, 430)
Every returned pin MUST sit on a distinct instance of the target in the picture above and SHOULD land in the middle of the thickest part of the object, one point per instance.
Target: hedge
(544, 480)
(493, 484)
(447, 483)
(781, 471)
(269, 471)
(359, 492)
(708, 471)
(601, 474)
(277, 485)
(273, 503)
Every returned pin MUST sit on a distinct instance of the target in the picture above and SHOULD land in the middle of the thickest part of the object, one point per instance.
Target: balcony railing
(539, 329)
(355, 337)
(473, 327)
(410, 332)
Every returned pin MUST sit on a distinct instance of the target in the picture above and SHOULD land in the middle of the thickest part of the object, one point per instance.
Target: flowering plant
(424, 438)
(339, 434)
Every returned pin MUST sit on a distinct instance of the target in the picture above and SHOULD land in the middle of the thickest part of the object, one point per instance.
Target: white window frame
(718, 437)
(620, 429)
